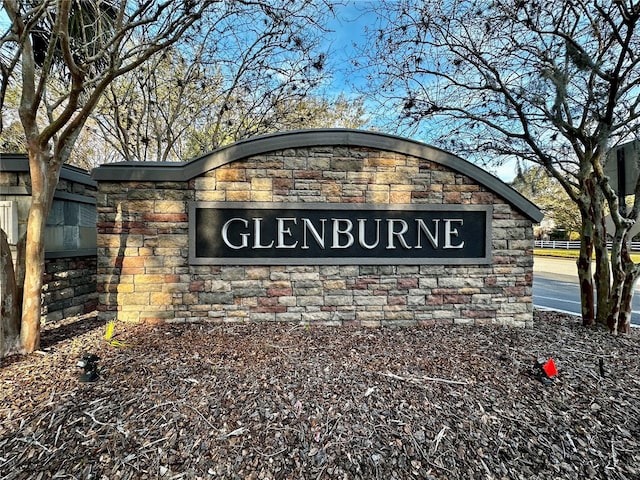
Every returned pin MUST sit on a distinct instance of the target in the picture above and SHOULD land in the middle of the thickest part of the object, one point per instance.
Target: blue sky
(348, 27)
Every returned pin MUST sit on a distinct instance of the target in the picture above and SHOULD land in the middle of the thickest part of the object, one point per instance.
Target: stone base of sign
(144, 274)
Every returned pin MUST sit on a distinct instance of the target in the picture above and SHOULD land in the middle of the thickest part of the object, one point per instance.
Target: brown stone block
(515, 291)
(435, 299)
(230, 175)
(490, 281)
(307, 174)
(131, 261)
(397, 300)
(408, 283)
(482, 198)
(165, 217)
(452, 197)
(282, 184)
(457, 299)
(132, 271)
(267, 301)
(267, 309)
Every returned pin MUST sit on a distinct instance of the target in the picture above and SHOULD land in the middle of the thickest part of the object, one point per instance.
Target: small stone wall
(143, 245)
(69, 287)
(69, 283)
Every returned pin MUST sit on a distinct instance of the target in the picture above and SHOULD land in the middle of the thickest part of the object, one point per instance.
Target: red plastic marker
(550, 368)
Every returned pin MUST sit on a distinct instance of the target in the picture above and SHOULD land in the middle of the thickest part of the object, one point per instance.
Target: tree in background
(63, 55)
(545, 191)
(248, 75)
(555, 83)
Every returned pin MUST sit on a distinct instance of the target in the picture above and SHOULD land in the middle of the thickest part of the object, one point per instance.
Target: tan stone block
(409, 171)
(261, 184)
(137, 206)
(335, 285)
(262, 196)
(190, 298)
(161, 298)
(391, 178)
(399, 197)
(210, 196)
(135, 299)
(172, 241)
(381, 162)
(129, 316)
(150, 278)
(238, 196)
(205, 183)
(378, 197)
(170, 206)
(258, 273)
(148, 287)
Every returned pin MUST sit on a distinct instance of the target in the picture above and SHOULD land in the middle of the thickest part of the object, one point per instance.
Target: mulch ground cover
(274, 401)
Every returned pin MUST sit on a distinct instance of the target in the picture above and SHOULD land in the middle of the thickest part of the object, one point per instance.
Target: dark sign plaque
(239, 233)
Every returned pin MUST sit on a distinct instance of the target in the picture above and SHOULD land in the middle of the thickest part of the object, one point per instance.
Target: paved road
(555, 286)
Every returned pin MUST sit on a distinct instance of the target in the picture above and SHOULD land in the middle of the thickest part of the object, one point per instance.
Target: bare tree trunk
(585, 275)
(9, 306)
(43, 182)
(623, 324)
(34, 271)
(619, 258)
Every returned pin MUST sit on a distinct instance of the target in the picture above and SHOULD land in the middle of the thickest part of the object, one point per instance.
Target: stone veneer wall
(69, 282)
(69, 287)
(144, 273)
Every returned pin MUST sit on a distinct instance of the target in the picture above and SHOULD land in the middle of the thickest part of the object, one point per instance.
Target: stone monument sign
(318, 226)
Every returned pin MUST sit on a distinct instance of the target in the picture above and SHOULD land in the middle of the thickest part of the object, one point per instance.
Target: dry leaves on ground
(286, 401)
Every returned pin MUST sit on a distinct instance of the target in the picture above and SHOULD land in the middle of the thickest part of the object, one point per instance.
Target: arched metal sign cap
(162, 171)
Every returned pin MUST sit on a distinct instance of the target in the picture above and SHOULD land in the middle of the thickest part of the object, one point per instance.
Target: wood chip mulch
(266, 401)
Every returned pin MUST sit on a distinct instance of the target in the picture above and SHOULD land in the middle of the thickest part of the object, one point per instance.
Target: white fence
(573, 245)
